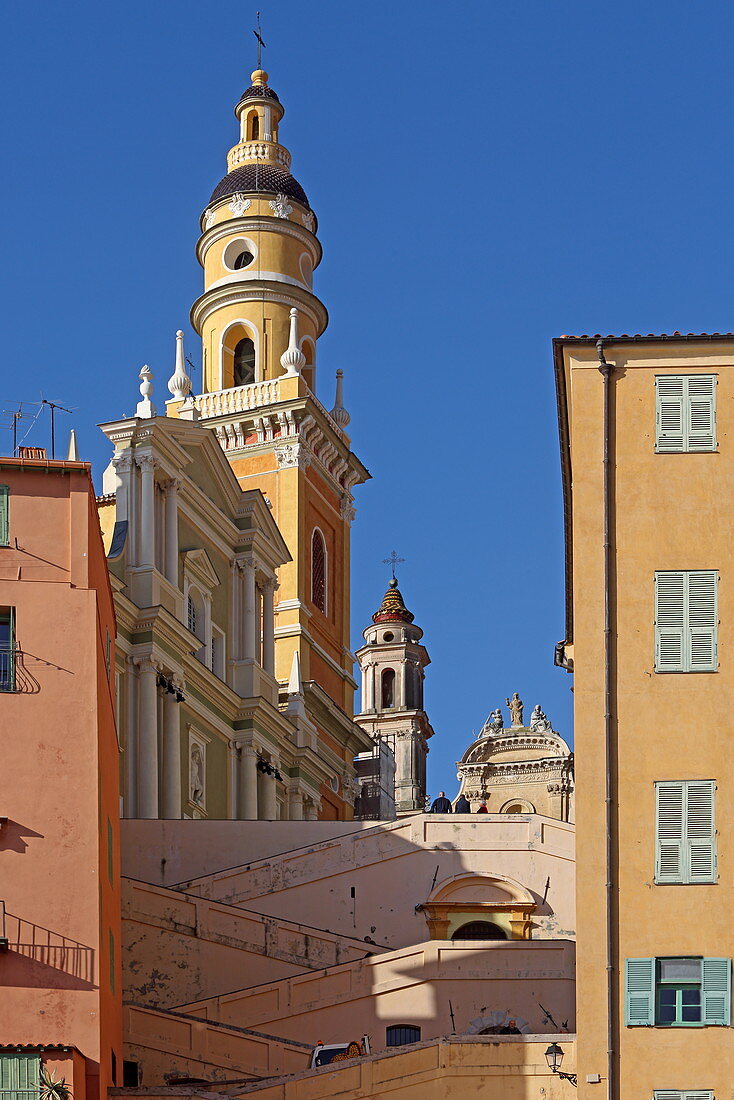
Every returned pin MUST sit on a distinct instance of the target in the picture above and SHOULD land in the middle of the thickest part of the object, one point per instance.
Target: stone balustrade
(258, 150)
(237, 399)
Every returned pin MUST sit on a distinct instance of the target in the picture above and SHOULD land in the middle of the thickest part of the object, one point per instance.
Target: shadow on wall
(13, 834)
(42, 958)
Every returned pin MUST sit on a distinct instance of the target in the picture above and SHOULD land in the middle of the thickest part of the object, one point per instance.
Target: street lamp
(554, 1058)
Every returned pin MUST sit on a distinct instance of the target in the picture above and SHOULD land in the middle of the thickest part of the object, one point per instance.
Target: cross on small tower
(392, 561)
(260, 43)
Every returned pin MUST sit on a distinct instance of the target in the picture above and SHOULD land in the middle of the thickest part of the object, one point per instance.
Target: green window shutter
(698, 1094)
(670, 621)
(701, 655)
(701, 412)
(668, 1094)
(716, 991)
(670, 397)
(700, 831)
(639, 992)
(19, 1075)
(4, 515)
(670, 832)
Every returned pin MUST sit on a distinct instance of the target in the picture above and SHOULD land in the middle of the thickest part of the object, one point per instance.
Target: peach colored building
(60, 1001)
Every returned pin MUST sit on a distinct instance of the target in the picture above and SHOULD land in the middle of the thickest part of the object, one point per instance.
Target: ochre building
(647, 437)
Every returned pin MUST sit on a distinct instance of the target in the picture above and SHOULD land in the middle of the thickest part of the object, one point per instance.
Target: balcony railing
(237, 399)
(8, 664)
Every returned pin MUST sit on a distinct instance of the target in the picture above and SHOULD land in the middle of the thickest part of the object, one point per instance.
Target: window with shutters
(677, 992)
(402, 1035)
(684, 1094)
(20, 1076)
(685, 412)
(8, 653)
(686, 621)
(4, 515)
(685, 832)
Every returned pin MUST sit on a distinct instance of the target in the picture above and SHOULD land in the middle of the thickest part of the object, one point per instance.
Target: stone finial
(295, 684)
(180, 383)
(339, 414)
(145, 407)
(293, 360)
(72, 455)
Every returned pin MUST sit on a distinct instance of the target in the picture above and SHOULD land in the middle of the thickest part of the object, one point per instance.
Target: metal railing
(8, 662)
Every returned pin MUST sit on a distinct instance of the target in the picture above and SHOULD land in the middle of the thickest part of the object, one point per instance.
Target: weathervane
(260, 43)
(392, 561)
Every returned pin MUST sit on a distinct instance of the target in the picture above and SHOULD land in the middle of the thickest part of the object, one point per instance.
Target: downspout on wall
(606, 372)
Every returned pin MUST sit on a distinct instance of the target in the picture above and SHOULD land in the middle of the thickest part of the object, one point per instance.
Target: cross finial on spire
(260, 43)
(392, 561)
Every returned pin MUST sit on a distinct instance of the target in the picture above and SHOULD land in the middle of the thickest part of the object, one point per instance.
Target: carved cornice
(234, 294)
(258, 224)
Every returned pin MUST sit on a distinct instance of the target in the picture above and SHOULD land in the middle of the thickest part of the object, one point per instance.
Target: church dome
(259, 91)
(258, 178)
(392, 609)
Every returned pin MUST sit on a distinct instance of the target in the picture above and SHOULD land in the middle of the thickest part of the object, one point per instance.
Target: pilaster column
(207, 630)
(369, 703)
(171, 758)
(247, 787)
(147, 466)
(269, 625)
(172, 488)
(295, 804)
(147, 740)
(312, 810)
(250, 608)
(124, 501)
(269, 809)
(131, 746)
(400, 683)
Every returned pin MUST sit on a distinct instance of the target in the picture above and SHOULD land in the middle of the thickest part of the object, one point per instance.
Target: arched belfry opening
(253, 127)
(244, 362)
(239, 363)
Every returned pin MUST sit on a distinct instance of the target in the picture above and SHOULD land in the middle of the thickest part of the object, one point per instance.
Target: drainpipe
(606, 373)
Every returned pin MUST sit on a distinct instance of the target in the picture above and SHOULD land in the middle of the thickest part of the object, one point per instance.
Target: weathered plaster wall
(179, 948)
(500, 1067)
(411, 986)
(168, 852)
(370, 882)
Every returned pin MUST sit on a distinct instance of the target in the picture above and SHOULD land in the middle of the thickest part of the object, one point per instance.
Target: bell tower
(392, 662)
(260, 321)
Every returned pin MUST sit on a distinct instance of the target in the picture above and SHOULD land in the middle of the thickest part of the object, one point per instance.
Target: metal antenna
(15, 415)
(260, 44)
(392, 561)
(53, 407)
(192, 365)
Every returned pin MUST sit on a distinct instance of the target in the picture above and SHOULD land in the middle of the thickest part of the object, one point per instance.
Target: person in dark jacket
(440, 805)
(462, 805)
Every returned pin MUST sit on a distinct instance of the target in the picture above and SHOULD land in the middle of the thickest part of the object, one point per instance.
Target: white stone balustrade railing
(237, 399)
(258, 150)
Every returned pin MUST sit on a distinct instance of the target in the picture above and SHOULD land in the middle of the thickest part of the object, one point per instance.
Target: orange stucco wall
(59, 857)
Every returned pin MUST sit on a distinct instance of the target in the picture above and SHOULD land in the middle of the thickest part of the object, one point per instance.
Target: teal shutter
(639, 992)
(4, 515)
(701, 412)
(670, 621)
(670, 393)
(668, 1094)
(670, 832)
(700, 831)
(20, 1076)
(716, 991)
(702, 655)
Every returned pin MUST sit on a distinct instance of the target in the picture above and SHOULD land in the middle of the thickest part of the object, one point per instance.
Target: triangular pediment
(197, 564)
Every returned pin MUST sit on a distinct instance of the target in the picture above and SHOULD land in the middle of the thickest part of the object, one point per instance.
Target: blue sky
(486, 176)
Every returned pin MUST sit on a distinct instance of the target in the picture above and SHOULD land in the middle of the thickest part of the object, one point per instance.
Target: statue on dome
(516, 708)
(538, 721)
(495, 722)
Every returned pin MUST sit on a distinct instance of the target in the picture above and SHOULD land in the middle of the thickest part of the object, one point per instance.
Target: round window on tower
(239, 254)
(388, 636)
